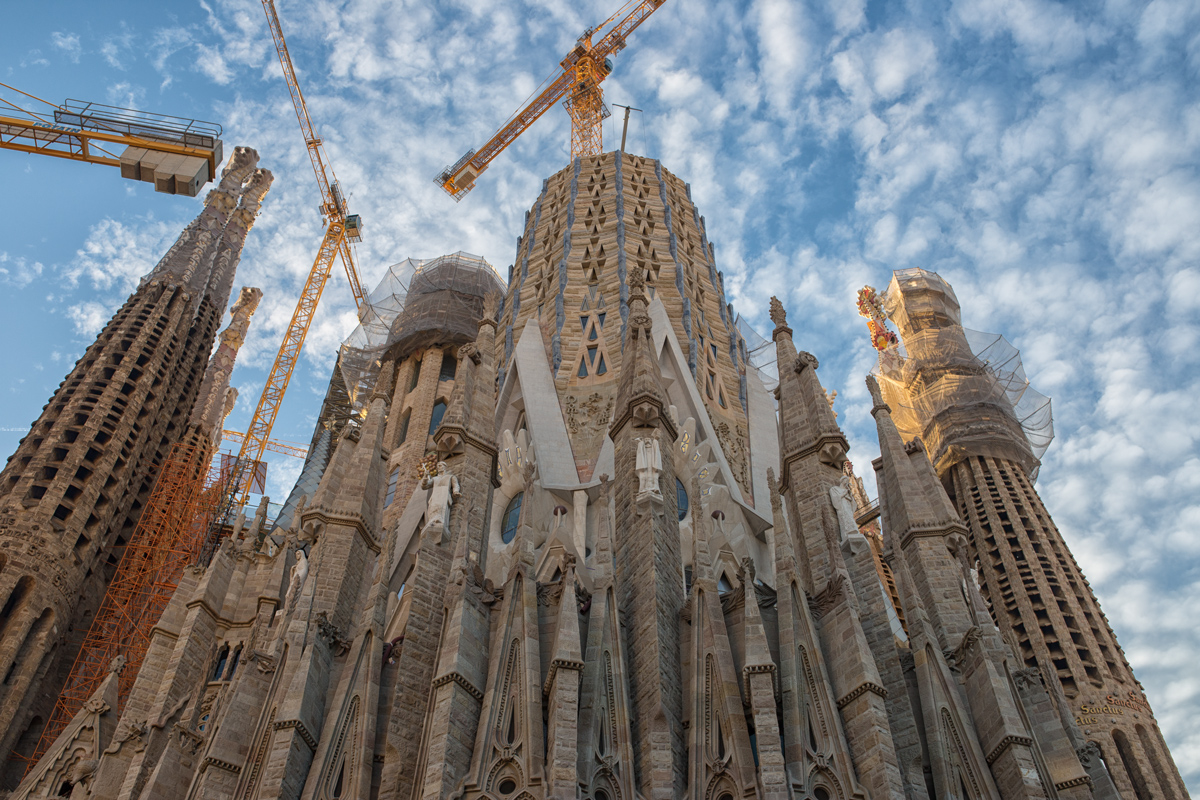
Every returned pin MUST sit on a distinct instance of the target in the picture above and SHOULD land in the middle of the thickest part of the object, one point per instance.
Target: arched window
(237, 656)
(681, 499)
(439, 411)
(393, 479)
(404, 427)
(222, 657)
(512, 515)
(449, 365)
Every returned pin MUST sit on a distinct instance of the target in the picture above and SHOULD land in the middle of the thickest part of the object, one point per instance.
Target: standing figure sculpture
(842, 497)
(445, 491)
(649, 465)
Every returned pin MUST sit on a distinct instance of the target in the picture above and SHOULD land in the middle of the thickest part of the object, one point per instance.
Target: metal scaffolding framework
(171, 533)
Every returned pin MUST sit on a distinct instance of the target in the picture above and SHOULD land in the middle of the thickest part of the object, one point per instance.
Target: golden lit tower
(965, 396)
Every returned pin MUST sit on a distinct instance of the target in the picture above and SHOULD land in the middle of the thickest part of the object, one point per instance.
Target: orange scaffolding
(170, 534)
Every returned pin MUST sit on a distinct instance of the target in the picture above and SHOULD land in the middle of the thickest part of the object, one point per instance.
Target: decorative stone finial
(241, 163)
(383, 386)
(253, 193)
(605, 488)
(637, 285)
(878, 403)
(116, 665)
(470, 351)
(778, 315)
(241, 311)
(491, 309)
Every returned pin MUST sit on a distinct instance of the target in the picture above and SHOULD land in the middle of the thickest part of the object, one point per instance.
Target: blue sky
(1040, 155)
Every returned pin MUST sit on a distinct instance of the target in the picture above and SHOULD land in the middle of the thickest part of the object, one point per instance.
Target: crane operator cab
(354, 228)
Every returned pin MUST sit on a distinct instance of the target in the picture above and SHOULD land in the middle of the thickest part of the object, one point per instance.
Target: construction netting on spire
(957, 389)
(418, 303)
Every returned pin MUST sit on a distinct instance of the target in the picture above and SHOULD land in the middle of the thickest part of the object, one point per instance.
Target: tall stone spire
(210, 410)
(649, 577)
(812, 450)
(960, 405)
(191, 259)
(73, 492)
(925, 532)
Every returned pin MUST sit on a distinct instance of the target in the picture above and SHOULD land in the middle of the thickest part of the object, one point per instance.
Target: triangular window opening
(511, 735)
(337, 787)
(590, 362)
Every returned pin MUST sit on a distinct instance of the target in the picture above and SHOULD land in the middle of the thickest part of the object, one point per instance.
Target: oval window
(681, 499)
(507, 786)
(512, 515)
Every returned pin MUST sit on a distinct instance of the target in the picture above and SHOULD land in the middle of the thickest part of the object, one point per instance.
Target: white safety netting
(419, 302)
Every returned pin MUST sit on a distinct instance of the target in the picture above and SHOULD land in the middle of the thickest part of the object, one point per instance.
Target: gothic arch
(822, 778)
(342, 766)
(958, 757)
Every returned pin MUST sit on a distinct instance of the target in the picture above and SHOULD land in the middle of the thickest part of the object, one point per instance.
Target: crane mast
(341, 230)
(577, 85)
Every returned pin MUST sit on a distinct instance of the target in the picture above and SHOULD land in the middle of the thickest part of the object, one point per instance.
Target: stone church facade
(583, 548)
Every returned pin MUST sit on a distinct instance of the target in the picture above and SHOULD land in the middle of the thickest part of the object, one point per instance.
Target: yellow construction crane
(176, 154)
(341, 229)
(584, 68)
(285, 448)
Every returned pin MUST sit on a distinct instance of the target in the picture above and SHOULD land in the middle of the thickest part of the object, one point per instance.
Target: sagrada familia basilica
(574, 535)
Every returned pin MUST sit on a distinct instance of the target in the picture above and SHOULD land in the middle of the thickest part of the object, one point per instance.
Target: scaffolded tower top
(963, 392)
(419, 302)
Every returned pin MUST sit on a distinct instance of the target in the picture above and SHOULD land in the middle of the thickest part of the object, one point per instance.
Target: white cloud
(89, 317)
(18, 271)
(116, 255)
(68, 43)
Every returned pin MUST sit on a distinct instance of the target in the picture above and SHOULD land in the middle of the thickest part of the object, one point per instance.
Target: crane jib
(586, 64)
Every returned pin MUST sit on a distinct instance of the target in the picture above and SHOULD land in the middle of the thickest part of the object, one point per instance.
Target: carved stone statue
(649, 465)
(444, 491)
(842, 497)
(296, 580)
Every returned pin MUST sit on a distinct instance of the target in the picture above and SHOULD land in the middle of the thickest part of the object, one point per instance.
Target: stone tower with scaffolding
(965, 397)
(72, 493)
(585, 535)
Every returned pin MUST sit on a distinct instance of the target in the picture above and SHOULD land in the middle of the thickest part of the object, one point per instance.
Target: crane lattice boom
(578, 85)
(341, 229)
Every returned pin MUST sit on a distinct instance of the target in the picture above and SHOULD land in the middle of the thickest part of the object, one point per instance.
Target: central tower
(595, 224)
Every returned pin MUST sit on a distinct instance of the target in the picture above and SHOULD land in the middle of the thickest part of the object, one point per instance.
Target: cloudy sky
(1040, 155)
